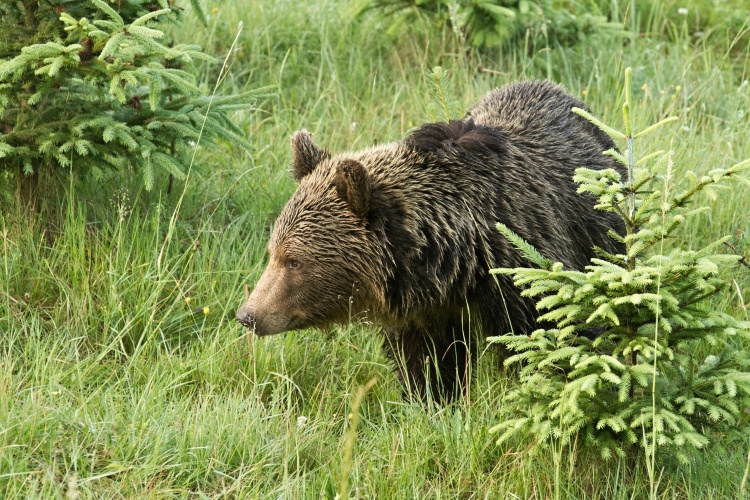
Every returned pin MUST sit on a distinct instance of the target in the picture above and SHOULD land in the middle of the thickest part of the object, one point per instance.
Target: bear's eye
(292, 264)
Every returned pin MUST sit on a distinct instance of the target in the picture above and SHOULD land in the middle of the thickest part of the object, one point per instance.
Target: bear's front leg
(428, 368)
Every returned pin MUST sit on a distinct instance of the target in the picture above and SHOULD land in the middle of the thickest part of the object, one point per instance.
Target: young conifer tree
(94, 84)
(664, 367)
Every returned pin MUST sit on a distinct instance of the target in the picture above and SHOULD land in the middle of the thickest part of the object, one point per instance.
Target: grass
(113, 384)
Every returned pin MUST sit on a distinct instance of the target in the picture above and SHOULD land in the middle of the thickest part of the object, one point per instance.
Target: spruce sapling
(665, 367)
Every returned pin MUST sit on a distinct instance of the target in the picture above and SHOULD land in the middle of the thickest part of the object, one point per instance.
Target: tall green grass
(113, 384)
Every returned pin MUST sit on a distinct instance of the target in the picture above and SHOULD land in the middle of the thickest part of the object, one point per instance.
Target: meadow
(123, 373)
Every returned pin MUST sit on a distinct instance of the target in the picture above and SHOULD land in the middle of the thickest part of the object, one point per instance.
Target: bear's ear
(353, 186)
(436, 137)
(305, 154)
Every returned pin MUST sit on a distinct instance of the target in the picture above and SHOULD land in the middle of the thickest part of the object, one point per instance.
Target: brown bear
(405, 233)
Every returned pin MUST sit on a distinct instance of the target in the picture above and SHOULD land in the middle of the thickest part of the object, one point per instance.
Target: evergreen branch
(616, 155)
(528, 251)
(655, 126)
(112, 13)
(144, 31)
(112, 45)
(436, 77)
(147, 17)
(442, 103)
(612, 132)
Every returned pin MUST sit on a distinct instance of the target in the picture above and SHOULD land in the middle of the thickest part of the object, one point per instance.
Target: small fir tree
(443, 105)
(664, 365)
(93, 84)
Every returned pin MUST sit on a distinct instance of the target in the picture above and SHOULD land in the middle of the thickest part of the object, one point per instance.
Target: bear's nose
(246, 317)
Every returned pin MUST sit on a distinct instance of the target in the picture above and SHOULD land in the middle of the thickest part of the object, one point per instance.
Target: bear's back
(536, 110)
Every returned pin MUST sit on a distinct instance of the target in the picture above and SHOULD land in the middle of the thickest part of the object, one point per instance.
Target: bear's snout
(265, 311)
(246, 317)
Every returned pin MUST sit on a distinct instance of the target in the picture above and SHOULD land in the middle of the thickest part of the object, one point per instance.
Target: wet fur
(409, 228)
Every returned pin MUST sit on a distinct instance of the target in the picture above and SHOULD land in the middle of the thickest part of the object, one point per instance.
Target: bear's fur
(404, 233)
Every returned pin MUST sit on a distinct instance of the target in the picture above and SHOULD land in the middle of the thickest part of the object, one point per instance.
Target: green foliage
(91, 84)
(113, 386)
(524, 247)
(443, 104)
(490, 23)
(696, 22)
(635, 355)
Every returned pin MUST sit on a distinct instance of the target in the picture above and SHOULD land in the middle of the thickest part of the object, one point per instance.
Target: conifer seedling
(663, 366)
(90, 85)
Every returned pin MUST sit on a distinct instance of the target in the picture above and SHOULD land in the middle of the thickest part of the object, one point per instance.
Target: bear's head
(322, 256)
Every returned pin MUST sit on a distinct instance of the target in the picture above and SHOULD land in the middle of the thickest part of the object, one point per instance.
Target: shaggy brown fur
(405, 232)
